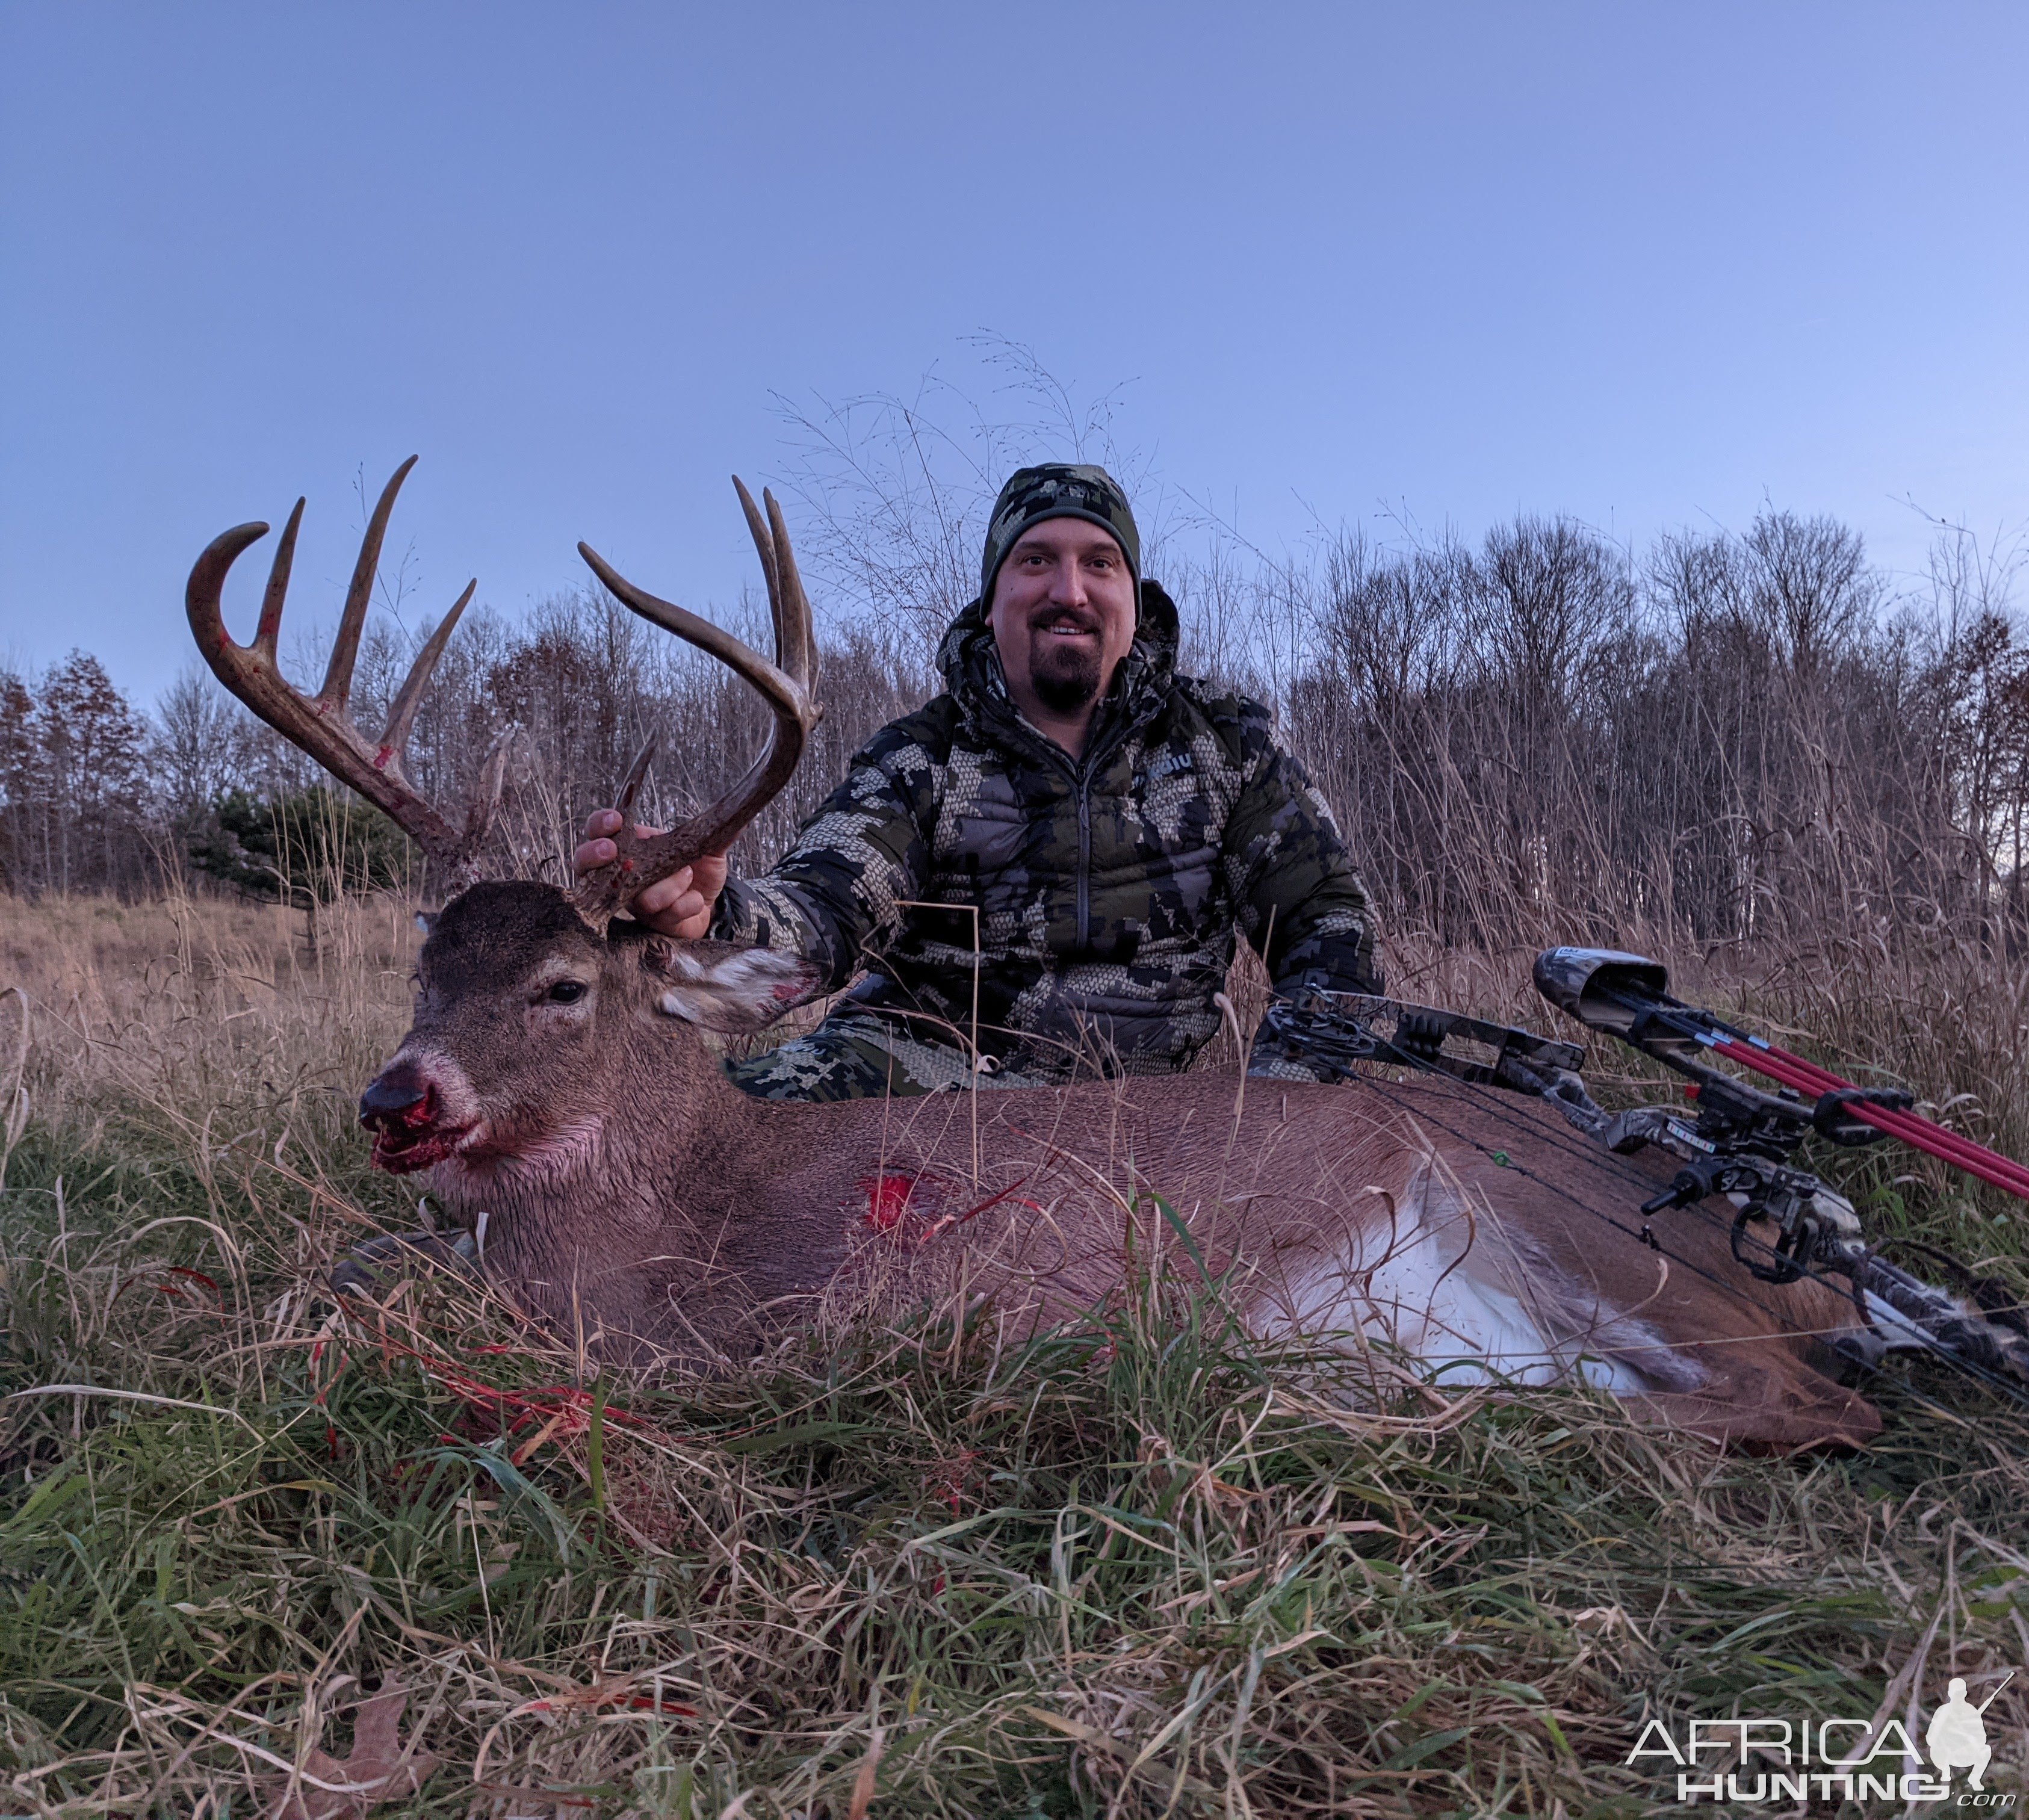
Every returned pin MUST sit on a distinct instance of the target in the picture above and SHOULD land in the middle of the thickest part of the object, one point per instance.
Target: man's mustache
(1045, 618)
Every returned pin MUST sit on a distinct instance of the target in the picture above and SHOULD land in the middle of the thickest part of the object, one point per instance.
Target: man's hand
(678, 906)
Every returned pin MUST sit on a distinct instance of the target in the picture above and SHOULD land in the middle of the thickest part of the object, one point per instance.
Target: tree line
(1543, 734)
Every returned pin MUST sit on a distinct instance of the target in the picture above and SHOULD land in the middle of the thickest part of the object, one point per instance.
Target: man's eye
(566, 992)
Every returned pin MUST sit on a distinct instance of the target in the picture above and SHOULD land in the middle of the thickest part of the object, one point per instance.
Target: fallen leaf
(379, 1769)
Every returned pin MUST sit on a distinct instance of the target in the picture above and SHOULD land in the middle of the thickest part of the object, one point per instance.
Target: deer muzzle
(403, 1109)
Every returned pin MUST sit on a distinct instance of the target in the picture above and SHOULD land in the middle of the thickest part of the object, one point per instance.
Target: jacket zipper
(1085, 856)
(1082, 770)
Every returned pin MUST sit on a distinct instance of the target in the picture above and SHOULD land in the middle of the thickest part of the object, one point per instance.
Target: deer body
(629, 1194)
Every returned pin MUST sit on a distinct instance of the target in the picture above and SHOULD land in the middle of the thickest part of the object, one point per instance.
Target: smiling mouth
(1067, 627)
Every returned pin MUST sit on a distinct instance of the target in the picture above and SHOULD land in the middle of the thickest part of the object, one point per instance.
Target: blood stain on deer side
(887, 1199)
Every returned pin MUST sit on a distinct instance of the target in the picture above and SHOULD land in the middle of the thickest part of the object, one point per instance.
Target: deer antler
(786, 684)
(320, 725)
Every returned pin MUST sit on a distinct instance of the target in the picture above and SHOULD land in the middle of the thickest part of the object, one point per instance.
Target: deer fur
(557, 1089)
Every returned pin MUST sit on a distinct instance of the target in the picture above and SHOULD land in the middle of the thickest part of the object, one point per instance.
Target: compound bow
(1741, 1144)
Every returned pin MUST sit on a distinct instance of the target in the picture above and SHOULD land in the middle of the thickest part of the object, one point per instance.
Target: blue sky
(1646, 264)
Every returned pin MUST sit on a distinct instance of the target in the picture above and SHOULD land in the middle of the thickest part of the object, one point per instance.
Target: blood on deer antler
(786, 684)
(321, 725)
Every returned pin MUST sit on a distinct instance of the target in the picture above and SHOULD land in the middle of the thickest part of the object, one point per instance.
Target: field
(1144, 1568)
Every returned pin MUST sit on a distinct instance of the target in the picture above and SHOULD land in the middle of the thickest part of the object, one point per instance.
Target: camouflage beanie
(1056, 489)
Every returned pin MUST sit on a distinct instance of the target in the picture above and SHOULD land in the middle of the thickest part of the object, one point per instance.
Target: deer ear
(734, 991)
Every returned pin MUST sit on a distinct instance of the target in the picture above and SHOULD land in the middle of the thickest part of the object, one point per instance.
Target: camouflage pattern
(1057, 490)
(1061, 916)
(855, 1054)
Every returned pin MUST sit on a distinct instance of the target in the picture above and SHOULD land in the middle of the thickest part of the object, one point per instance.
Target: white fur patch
(1445, 1289)
(744, 990)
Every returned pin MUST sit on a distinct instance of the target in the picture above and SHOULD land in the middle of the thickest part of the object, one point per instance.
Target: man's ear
(734, 991)
(427, 920)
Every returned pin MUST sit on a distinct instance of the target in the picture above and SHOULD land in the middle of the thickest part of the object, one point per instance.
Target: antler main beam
(322, 724)
(786, 685)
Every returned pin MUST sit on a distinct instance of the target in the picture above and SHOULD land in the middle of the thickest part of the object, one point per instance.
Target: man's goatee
(1070, 688)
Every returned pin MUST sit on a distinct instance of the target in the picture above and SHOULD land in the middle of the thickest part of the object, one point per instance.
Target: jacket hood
(970, 662)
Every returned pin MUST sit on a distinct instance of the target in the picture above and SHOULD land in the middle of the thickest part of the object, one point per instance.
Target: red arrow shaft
(1948, 1146)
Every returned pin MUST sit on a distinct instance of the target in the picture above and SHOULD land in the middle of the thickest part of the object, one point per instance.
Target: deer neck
(650, 1161)
(647, 1230)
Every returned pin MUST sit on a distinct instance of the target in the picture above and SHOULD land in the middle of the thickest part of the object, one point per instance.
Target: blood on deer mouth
(413, 1139)
(401, 1155)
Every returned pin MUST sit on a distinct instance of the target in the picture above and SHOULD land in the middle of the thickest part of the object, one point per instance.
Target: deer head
(533, 1004)
(530, 1028)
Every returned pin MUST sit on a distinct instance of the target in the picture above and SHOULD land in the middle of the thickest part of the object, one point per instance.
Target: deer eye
(566, 992)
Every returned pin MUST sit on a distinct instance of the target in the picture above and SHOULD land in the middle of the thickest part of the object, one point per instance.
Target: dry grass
(99, 959)
(1140, 1569)
(195, 1002)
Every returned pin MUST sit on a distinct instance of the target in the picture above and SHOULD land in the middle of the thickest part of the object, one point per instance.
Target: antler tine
(270, 626)
(637, 775)
(401, 717)
(796, 604)
(483, 803)
(788, 606)
(203, 596)
(319, 725)
(337, 690)
(782, 694)
(785, 686)
(764, 547)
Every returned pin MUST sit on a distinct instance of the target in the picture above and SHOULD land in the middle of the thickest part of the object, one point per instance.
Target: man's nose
(1067, 586)
(397, 1089)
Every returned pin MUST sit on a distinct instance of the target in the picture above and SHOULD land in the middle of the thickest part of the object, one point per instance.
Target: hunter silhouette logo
(1957, 1736)
(1831, 1760)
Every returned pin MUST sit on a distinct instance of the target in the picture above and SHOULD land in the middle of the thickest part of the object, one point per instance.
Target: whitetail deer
(556, 1087)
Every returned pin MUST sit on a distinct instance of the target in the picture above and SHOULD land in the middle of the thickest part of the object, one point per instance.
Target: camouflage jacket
(1094, 902)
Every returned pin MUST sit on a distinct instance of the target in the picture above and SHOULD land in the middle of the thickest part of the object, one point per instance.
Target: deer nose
(395, 1092)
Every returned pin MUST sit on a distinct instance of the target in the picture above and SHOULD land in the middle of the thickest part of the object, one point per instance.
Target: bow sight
(1739, 1143)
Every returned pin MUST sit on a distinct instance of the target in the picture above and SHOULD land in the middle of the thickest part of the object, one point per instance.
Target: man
(1042, 872)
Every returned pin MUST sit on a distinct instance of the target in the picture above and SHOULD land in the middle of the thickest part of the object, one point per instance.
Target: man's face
(1062, 613)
